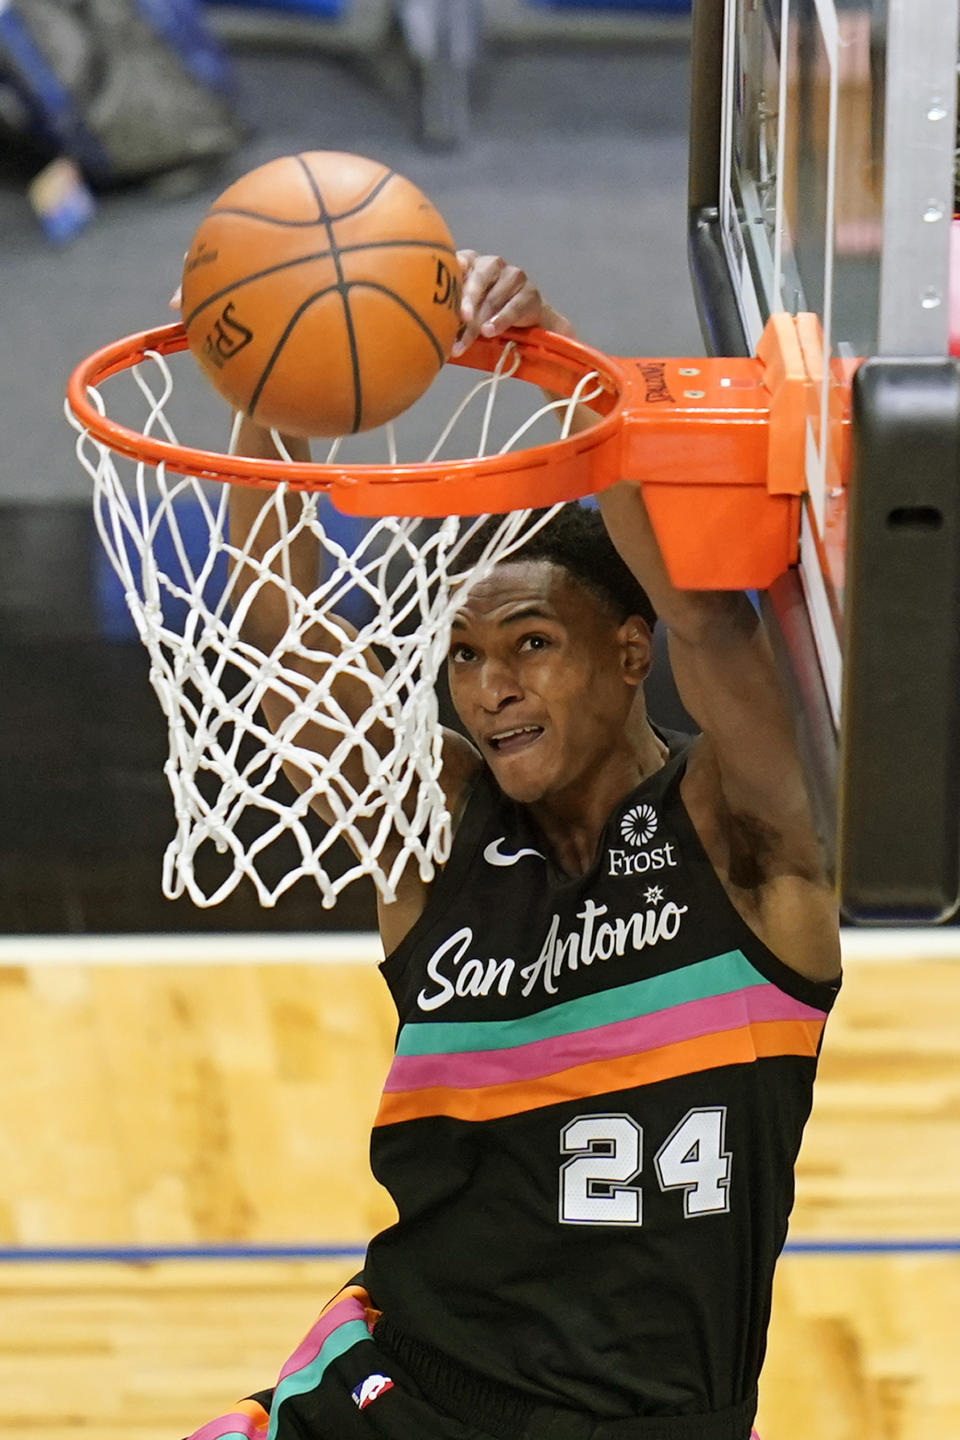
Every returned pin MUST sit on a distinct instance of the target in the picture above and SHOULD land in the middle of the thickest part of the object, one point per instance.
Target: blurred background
(554, 134)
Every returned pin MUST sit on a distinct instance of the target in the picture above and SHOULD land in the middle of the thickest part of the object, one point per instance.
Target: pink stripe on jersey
(686, 1021)
(233, 1424)
(309, 1347)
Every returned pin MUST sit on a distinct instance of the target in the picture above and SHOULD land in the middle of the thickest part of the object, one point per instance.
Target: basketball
(321, 294)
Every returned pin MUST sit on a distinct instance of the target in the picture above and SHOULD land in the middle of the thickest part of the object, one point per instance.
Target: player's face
(543, 677)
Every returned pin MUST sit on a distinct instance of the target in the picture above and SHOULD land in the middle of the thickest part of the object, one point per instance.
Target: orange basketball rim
(716, 443)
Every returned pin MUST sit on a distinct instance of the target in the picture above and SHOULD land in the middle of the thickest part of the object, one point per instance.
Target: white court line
(921, 942)
(331, 948)
(364, 948)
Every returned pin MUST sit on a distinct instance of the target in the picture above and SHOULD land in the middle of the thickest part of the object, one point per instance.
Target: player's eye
(461, 654)
(534, 642)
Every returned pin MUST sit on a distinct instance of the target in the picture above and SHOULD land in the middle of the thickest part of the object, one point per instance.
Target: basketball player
(610, 1009)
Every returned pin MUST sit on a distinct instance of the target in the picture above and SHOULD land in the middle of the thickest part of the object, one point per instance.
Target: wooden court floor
(221, 1095)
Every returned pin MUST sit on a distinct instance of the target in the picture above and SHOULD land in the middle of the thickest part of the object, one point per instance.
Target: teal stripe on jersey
(719, 975)
(309, 1377)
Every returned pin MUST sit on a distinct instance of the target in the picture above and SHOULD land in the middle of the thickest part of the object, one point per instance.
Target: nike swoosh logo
(494, 856)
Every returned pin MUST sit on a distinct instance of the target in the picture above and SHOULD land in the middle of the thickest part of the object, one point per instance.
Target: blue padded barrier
(113, 619)
(325, 9)
(660, 7)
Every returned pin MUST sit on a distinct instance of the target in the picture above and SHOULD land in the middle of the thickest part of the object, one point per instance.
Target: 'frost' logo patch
(371, 1389)
(638, 827)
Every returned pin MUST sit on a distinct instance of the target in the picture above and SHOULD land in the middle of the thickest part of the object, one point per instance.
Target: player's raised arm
(745, 786)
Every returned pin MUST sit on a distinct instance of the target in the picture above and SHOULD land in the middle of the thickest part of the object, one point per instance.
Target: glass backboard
(821, 184)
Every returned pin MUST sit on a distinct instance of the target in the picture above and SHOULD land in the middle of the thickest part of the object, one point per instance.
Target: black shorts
(354, 1378)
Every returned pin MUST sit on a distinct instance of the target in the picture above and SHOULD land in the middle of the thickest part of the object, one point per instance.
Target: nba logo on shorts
(368, 1390)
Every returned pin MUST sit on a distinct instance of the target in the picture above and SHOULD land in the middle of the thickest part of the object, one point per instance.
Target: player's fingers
(176, 299)
(508, 286)
(467, 259)
(480, 278)
(479, 273)
(519, 303)
(490, 286)
(471, 288)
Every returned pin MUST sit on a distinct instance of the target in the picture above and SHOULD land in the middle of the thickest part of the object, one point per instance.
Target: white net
(300, 716)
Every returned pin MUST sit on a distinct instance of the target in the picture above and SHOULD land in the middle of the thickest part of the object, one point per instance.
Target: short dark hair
(576, 540)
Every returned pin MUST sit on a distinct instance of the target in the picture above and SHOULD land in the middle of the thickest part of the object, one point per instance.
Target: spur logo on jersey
(638, 826)
(371, 1389)
(455, 972)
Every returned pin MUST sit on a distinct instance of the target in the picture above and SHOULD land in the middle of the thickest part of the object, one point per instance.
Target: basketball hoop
(674, 425)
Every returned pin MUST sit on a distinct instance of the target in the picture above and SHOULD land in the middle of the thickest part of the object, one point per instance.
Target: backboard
(821, 184)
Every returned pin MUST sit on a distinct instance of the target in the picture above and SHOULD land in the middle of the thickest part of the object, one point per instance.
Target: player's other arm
(256, 530)
(258, 527)
(745, 787)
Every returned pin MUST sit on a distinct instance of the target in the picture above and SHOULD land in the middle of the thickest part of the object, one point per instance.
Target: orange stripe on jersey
(255, 1410)
(353, 1292)
(760, 1040)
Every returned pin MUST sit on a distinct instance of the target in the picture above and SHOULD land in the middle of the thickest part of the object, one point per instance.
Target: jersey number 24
(597, 1184)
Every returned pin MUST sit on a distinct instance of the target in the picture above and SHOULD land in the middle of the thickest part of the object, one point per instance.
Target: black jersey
(591, 1120)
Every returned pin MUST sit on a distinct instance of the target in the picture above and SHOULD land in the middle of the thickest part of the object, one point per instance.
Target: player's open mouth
(507, 742)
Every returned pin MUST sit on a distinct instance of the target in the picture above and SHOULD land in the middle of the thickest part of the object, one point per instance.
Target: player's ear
(636, 649)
